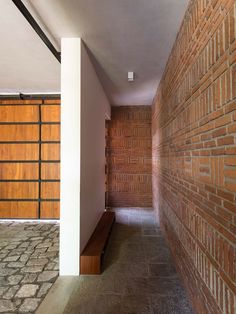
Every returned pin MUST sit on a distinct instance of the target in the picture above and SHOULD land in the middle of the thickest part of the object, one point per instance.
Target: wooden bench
(91, 257)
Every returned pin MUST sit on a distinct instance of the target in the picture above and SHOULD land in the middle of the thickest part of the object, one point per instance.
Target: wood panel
(19, 209)
(50, 210)
(19, 114)
(19, 132)
(19, 171)
(18, 152)
(19, 190)
(50, 132)
(52, 102)
(50, 171)
(50, 151)
(51, 113)
(20, 102)
(50, 190)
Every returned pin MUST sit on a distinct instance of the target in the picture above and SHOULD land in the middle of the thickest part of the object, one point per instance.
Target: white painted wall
(94, 109)
(70, 156)
(84, 110)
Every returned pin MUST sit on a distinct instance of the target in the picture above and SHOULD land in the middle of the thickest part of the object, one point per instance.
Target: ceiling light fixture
(130, 76)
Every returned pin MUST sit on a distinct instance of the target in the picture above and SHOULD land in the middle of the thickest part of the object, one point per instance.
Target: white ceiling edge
(34, 93)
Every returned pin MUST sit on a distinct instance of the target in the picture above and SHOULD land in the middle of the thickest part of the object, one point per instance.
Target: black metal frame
(25, 12)
(30, 97)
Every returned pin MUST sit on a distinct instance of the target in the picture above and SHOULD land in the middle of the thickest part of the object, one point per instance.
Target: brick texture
(129, 157)
(194, 154)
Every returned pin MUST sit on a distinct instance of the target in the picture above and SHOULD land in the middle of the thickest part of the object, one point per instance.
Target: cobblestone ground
(28, 264)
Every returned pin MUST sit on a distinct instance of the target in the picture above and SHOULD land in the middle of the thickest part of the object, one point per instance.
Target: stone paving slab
(138, 276)
(28, 264)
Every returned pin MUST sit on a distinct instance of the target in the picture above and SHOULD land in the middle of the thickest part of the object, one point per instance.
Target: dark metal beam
(25, 12)
(29, 96)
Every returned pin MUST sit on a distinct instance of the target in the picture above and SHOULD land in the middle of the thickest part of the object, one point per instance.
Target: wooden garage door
(29, 158)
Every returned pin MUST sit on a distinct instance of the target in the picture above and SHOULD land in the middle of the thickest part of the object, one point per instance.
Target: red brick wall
(194, 154)
(129, 157)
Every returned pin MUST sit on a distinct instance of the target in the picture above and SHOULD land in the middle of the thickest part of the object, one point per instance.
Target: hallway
(139, 275)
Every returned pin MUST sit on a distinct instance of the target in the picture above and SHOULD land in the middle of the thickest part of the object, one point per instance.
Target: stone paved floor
(28, 264)
(139, 275)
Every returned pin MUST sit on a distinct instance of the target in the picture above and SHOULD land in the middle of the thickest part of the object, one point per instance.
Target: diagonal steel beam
(25, 12)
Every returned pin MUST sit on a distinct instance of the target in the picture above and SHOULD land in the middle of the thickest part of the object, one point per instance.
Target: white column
(70, 156)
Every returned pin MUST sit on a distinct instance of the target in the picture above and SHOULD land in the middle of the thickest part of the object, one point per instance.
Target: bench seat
(91, 257)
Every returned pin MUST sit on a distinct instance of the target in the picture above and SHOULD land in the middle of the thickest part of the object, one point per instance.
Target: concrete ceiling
(121, 36)
(26, 64)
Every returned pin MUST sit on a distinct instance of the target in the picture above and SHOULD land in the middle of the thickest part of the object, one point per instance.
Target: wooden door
(29, 159)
